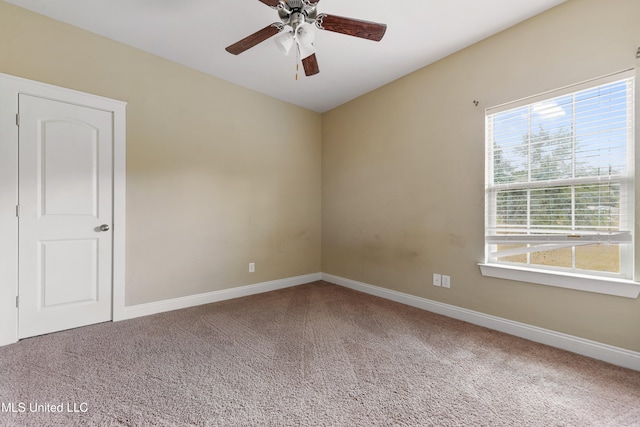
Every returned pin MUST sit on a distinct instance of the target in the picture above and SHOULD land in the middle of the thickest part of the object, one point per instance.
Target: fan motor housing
(296, 12)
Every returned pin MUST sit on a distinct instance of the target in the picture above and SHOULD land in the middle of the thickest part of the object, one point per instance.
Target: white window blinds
(560, 173)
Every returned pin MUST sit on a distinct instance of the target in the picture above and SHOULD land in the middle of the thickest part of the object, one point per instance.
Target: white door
(65, 196)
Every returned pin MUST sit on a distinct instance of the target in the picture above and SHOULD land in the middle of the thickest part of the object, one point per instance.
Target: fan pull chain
(297, 61)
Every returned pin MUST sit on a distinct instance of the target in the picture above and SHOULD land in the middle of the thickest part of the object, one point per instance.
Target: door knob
(104, 227)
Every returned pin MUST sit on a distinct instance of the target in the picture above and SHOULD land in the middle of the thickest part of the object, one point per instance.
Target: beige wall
(213, 182)
(403, 170)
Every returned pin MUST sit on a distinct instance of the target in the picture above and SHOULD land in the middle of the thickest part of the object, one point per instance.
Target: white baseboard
(215, 296)
(614, 355)
(607, 353)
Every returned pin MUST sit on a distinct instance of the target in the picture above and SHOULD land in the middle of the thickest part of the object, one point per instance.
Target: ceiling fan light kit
(303, 36)
(284, 42)
(300, 17)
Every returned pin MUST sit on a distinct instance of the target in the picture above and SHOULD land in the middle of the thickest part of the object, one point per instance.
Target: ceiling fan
(300, 17)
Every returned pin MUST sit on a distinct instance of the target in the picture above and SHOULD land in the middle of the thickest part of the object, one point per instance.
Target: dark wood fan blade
(254, 39)
(310, 64)
(352, 27)
(272, 3)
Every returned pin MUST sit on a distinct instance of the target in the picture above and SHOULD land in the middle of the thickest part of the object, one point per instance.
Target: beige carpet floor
(312, 355)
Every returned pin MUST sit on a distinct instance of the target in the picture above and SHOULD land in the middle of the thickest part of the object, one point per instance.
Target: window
(560, 181)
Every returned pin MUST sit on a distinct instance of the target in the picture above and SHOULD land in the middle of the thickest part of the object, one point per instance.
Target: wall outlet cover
(437, 279)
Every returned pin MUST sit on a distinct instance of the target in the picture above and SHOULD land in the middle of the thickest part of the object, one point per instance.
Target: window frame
(600, 282)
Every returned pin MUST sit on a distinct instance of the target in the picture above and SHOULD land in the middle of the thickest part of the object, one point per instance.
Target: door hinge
(18, 119)
(17, 301)
(18, 211)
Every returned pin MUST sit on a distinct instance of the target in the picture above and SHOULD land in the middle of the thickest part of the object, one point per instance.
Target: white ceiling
(195, 33)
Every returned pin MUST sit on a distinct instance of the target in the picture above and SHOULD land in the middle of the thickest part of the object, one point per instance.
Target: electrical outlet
(446, 281)
(437, 279)
(252, 267)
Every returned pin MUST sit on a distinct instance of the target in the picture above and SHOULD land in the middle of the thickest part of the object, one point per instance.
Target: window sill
(601, 285)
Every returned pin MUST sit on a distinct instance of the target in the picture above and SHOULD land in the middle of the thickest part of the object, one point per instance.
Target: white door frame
(10, 87)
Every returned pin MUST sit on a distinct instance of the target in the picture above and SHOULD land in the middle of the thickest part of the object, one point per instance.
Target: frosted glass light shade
(284, 41)
(305, 37)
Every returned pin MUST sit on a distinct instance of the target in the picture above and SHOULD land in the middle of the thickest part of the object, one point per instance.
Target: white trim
(615, 355)
(119, 211)
(611, 354)
(215, 296)
(634, 165)
(10, 87)
(582, 282)
(8, 219)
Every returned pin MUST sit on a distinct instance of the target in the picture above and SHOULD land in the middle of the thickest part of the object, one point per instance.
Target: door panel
(65, 192)
(69, 272)
(68, 146)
